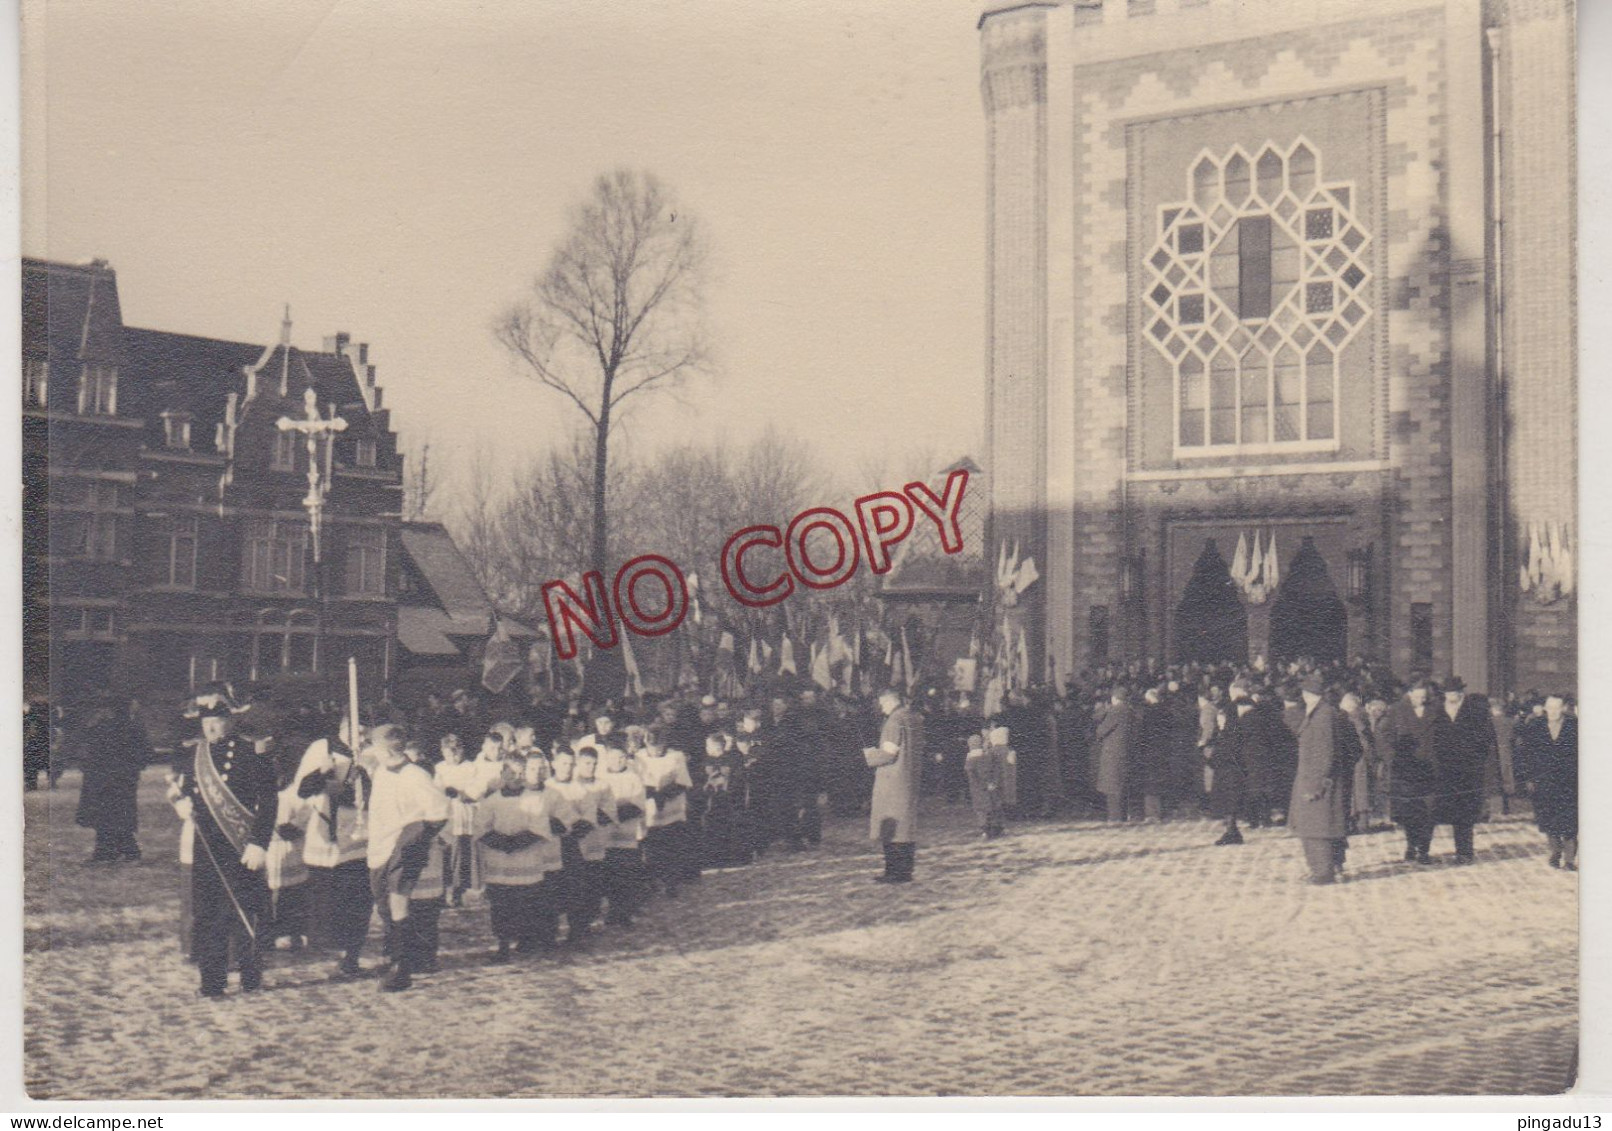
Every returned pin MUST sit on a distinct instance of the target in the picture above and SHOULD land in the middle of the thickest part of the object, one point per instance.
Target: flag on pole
(1239, 560)
(1564, 567)
(822, 674)
(694, 597)
(635, 679)
(500, 660)
(786, 662)
(906, 657)
(1273, 565)
(754, 663)
(1028, 576)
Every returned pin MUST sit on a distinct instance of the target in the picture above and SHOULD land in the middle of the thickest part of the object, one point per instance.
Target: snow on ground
(1069, 958)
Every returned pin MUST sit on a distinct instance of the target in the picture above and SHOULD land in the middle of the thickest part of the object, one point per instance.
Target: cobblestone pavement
(1067, 958)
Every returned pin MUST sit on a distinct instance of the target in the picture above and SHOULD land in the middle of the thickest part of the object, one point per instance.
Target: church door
(1211, 625)
(1308, 620)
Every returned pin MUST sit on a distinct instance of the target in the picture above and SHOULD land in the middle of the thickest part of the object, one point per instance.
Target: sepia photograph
(737, 549)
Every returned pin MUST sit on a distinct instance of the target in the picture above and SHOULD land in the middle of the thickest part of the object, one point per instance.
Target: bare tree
(420, 485)
(616, 315)
(474, 523)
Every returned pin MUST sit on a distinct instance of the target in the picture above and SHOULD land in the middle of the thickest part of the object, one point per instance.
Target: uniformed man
(231, 786)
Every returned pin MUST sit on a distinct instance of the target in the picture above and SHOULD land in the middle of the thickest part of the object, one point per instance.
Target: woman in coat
(1236, 751)
(1548, 750)
(1115, 733)
(112, 750)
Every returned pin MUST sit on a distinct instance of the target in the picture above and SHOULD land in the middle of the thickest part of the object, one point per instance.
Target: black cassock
(232, 791)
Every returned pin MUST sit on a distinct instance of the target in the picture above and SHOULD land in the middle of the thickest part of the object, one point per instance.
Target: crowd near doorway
(1308, 619)
(1211, 625)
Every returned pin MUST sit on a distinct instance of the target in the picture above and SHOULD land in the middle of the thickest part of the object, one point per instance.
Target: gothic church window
(1255, 284)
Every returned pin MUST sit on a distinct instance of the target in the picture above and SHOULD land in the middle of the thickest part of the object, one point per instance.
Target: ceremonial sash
(232, 817)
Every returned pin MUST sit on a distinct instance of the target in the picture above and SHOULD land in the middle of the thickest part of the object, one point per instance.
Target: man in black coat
(1413, 773)
(113, 750)
(232, 795)
(1461, 738)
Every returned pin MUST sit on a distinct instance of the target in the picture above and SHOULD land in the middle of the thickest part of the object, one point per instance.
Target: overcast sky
(402, 170)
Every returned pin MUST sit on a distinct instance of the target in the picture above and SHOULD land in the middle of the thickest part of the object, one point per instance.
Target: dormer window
(35, 381)
(176, 430)
(366, 453)
(98, 390)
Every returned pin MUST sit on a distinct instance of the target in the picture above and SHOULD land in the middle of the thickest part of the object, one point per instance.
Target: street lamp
(316, 428)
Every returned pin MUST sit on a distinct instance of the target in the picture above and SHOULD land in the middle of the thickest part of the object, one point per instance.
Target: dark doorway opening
(1308, 621)
(1211, 625)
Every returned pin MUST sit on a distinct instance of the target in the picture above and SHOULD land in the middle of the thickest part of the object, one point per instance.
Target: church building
(1281, 333)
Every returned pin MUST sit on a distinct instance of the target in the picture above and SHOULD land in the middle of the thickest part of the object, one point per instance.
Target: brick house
(1281, 331)
(167, 542)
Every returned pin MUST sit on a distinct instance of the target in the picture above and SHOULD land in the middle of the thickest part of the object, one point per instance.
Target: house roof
(71, 313)
(459, 595)
(164, 371)
(922, 568)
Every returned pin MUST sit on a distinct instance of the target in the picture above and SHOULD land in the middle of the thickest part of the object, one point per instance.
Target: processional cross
(314, 427)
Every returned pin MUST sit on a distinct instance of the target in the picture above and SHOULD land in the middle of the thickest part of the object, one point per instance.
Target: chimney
(363, 353)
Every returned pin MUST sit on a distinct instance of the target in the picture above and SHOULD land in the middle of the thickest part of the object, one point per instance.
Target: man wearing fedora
(1315, 812)
(233, 795)
(1462, 740)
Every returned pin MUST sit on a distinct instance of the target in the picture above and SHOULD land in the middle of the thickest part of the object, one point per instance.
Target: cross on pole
(314, 427)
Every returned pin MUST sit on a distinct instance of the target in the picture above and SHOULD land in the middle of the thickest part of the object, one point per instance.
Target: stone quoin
(883, 520)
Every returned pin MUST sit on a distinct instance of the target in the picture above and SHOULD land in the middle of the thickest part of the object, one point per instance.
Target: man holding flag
(233, 796)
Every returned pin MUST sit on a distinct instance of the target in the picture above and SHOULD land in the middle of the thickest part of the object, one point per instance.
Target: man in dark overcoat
(1116, 731)
(1413, 779)
(1547, 765)
(1461, 737)
(1315, 811)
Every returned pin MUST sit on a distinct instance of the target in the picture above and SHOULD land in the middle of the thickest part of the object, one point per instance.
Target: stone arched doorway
(1211, 625)
(1308, 621)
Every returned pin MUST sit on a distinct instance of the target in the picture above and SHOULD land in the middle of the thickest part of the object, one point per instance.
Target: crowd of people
(562, 817)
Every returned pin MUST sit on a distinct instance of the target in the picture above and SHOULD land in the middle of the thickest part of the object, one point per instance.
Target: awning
(424, 631)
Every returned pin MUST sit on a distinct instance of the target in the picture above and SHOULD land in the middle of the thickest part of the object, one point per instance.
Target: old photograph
(917, 548)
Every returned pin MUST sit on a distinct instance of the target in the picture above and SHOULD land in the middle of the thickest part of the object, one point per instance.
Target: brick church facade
(1281, 342)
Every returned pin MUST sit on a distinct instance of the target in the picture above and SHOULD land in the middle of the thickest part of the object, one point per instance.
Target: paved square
(1068, 958)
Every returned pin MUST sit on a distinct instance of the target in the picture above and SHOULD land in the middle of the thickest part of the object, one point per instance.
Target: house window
(89, 524)
(366, 561)
(1255, 285)
(176, 430)
(99, 623)
(272, 558)
(284, 644)
(285, 451)
(366, 453)
(182, 552)
(98, 390)
(35, 382)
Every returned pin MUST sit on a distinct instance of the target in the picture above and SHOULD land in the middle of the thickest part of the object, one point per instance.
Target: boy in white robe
(666, 785)
(406, 813)
(623, 876)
